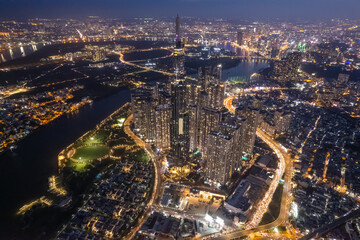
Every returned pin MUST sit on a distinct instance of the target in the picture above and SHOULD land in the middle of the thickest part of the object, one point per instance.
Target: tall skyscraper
(216, 95)
(193, 125)
(163, 115)
(209, 119)
(223, 154)
(251, 116)
(179, 58)
(201, 78)
(180, 141)
(210, 82)
(177, 32)
(179, 64)
(193, 89)
(142, 105)
(240, 38)
(179, 123)
(212, 75)
(193, 100)
(164, 98)
(218, 157)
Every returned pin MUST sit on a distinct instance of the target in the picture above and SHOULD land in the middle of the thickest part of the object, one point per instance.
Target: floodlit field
(100, 137)
(88, 153)
(78, 166)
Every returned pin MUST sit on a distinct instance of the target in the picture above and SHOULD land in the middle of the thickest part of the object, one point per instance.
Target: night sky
(230, 9)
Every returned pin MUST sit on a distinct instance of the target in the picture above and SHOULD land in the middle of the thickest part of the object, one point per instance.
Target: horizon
(226, 9)
(179, 119)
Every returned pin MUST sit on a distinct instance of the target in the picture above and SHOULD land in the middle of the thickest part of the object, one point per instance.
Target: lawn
(78, 166)
(100, 137)
(88, 153)
(141, 156)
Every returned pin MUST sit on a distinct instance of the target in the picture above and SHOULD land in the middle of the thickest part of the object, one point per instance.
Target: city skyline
(180, 127)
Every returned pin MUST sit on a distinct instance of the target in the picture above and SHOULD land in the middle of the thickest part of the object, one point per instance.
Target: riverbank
(24, 173)
(62, 48)
(48, 212)
(125, 162)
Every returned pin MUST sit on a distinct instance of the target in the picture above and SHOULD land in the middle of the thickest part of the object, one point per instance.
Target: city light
(186, 127)
(220, 221)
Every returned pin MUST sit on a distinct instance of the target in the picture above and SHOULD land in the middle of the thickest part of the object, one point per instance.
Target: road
(287, 163)
(132, 63)
(228, 101)
(158, 179)
(139, 66)
(283, 156)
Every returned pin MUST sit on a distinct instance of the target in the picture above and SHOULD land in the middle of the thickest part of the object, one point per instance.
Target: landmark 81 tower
(179, 60)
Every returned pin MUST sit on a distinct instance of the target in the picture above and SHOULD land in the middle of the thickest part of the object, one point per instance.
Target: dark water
(139, 56)
(54, 49)
(15, 53)
(24, 173)
(244, 69)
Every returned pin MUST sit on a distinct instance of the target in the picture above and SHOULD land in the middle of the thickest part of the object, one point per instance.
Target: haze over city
(229, 9)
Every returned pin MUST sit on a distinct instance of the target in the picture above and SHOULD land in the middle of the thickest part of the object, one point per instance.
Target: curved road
(158, 180)
(285, 160)
(283, 156)
(131, 63)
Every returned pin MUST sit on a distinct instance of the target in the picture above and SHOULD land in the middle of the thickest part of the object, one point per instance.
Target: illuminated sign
(181, 126)
(220, 221)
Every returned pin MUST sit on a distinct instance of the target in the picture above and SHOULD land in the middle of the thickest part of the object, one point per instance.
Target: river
(242, 71)
(24, 173)
(246, 66)
(11, 54)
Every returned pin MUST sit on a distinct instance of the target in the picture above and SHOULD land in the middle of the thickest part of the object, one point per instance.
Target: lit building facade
(251, 116)
(209, 120)
(142, 105)
(163, 115)
(223, 154)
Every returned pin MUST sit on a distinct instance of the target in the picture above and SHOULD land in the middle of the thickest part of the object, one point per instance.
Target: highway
(285, 162)
(285, 166)
(283, 157)
(158, 179)
(139, 66)
(132, 63)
